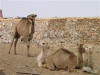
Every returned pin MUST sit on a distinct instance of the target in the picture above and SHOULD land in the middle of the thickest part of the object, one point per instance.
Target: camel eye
(33, 16)
(43, 43)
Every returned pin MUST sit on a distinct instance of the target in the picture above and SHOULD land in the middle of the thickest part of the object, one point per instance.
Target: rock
(72, 30)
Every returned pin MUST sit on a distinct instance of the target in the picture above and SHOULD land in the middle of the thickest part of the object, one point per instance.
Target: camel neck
(33, 28)
(33, 22)
(80, 59)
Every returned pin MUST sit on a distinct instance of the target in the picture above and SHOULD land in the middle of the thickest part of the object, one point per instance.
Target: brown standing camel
(24, 29)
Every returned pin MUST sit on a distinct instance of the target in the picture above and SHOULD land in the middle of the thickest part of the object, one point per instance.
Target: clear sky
(51, 8)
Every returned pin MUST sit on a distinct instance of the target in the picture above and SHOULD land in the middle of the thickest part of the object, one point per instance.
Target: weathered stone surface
(57, 30)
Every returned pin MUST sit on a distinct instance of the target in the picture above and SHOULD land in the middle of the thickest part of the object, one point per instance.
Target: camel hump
(66, 51)
(23, 22)
(24, 19)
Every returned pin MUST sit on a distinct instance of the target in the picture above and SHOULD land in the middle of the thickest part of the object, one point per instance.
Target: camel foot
(8, 52)
(29, 55)
(15, 53)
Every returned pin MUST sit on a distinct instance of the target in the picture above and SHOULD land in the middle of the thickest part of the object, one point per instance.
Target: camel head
(32, 17)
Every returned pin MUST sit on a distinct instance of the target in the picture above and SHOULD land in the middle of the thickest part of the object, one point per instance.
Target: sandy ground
(11, 63)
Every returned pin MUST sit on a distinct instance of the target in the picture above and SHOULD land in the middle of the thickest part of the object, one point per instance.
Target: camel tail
(11, 45)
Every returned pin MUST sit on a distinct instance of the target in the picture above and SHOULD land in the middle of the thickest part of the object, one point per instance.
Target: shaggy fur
(25, 30)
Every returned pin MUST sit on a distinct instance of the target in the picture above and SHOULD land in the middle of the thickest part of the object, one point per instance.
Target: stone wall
(59, 31)
(63, 31)
(6, 29)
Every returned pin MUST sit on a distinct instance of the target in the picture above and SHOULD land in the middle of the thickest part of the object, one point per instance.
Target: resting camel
(62, 59)
(24, 29)
(88, 61)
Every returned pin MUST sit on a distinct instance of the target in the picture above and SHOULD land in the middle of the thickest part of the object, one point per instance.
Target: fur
(63, 59)
(25, 29)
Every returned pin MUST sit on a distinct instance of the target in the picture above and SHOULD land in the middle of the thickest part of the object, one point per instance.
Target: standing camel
(24, 29)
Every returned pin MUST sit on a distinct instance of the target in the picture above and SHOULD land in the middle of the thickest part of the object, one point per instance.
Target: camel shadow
(21, 73)
(2, 73)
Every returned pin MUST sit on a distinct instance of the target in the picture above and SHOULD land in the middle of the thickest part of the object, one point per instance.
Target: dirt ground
(11, 63)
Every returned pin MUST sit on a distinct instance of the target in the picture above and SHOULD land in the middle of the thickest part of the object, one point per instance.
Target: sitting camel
(62, 59)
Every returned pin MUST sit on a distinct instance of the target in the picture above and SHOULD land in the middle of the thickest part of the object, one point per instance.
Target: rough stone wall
(6, 29)
(60, 31)
(66, 31)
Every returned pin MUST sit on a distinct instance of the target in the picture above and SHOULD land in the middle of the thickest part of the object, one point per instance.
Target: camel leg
(50, 65)
(71, 69)
(15, 43)
(28, 47)
(11, 45)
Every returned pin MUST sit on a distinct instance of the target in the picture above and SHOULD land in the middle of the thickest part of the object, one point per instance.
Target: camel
(88, 61)
(62, 59)
(24, 29)
(88, 64)
(43, 54)
(81, 52)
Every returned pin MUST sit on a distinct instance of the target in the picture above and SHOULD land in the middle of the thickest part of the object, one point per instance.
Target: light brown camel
(81, 51)
(88, 61)
(25, 29)
(88, 64)
(62, 59)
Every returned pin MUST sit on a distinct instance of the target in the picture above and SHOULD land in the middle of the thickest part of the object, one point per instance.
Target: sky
(51, 8)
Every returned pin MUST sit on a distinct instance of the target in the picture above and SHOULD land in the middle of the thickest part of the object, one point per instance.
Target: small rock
(89, 70)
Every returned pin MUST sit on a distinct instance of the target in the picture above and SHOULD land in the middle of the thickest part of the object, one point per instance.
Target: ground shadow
(2, 73)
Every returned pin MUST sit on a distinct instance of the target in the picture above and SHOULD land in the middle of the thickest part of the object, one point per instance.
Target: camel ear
(28, 16)
(35, 15)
